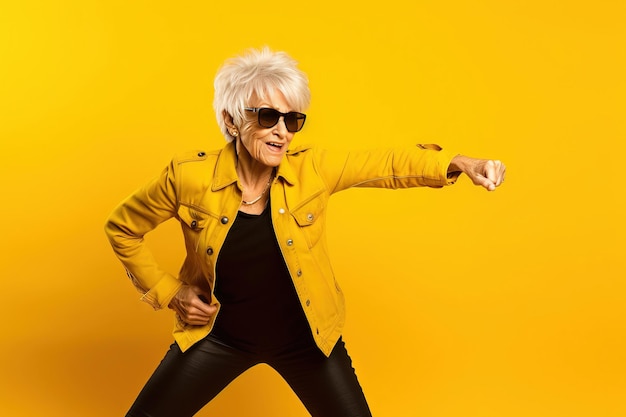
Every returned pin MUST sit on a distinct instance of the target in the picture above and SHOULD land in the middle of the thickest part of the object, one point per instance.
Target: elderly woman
(257, 285)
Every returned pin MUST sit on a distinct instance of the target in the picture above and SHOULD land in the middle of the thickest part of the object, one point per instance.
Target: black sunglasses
(269, 117)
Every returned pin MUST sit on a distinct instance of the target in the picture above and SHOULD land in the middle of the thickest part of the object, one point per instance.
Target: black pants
(184, 382)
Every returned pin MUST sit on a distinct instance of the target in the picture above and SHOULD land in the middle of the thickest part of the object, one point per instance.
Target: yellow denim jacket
(201, 190)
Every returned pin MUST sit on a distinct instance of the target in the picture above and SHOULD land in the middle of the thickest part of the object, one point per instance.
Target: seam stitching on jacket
(395, 177)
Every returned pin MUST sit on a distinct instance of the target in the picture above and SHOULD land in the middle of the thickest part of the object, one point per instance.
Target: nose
(281, 126)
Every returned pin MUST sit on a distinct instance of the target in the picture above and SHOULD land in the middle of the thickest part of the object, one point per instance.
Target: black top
(260, 309)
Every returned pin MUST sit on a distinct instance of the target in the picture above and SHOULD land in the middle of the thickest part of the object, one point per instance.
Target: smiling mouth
(275, 145)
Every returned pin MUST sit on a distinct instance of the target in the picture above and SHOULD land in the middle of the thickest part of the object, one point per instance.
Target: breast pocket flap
(193, 218)
(309, 213)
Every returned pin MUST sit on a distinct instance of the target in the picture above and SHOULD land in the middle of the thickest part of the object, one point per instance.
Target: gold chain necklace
(267, 186)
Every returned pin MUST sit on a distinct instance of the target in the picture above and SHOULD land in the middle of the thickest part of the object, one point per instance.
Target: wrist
(457, 164)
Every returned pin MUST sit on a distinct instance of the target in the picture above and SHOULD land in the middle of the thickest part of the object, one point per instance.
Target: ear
(228, 120)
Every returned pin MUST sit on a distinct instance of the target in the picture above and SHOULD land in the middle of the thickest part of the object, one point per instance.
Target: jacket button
(194, 224)
(281, 210)
(308, 303)
(309, 217)
(224, 220)
(209, 251)
(201, 154)
(299, 273)
(289, 242)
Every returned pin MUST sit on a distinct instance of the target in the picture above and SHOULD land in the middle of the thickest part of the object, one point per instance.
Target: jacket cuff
(162, 293)
(435, 172)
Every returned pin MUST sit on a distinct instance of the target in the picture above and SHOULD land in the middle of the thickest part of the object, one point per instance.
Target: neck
(251, 173)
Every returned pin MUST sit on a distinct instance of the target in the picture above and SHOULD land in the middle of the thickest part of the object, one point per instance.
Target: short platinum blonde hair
(257, 72)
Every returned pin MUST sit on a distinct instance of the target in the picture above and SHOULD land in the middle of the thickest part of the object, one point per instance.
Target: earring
(234, 133)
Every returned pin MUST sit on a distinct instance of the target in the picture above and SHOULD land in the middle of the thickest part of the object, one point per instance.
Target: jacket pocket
(193, 218)
(310, 221)
(195, 223)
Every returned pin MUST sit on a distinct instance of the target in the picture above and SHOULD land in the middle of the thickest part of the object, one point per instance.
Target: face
(266, 145)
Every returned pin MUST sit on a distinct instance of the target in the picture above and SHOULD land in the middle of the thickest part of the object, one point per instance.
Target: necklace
(267, 186)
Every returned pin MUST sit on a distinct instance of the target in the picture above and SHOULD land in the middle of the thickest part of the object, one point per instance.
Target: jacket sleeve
(138, 214)
(418, 166)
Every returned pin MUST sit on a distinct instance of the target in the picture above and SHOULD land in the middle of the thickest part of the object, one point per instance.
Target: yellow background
(460, 302)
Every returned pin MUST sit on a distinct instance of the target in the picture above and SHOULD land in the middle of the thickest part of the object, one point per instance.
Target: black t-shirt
(260, 308)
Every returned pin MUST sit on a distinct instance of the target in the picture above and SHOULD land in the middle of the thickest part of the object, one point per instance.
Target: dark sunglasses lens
(294, 121)
(268, 117)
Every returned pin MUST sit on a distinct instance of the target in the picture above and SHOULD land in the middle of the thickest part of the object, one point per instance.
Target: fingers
(192, 305)
(196, 312)
(202, 302)
(493, 172)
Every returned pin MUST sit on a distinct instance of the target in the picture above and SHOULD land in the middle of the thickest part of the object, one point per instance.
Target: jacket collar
(226, 168)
